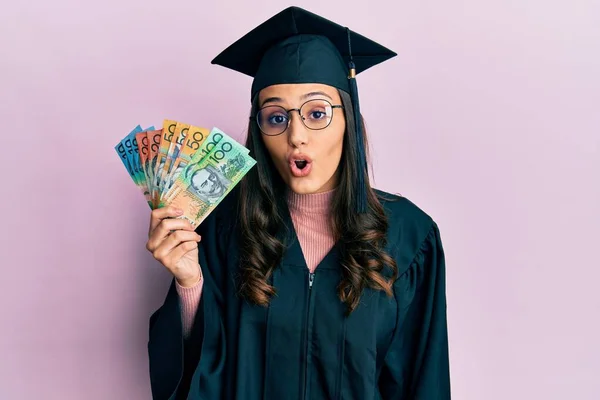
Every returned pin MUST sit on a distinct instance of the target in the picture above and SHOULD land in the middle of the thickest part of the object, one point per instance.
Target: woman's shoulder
(408, 224)
(402, 211)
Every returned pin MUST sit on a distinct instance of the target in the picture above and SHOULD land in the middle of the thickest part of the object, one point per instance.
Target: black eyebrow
(311, 94)
(303, 97)
(272, 100)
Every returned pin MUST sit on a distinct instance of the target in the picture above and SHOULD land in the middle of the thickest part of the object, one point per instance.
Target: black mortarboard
(297, 46)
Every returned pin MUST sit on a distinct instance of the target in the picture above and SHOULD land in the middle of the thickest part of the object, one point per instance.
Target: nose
(297, 132)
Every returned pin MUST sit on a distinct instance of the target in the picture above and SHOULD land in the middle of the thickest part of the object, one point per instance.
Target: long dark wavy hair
(359, 237)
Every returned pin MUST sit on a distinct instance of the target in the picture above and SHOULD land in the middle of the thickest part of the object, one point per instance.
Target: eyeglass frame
(299, 114)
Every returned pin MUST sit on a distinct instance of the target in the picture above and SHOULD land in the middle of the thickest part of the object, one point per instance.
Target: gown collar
(315, 203)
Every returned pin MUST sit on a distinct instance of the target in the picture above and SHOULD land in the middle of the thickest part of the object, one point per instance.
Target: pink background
(489, 119)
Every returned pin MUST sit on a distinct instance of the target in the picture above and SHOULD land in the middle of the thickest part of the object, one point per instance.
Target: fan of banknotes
(183, 165)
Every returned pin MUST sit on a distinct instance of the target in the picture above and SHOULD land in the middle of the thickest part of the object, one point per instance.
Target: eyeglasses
(315, 115)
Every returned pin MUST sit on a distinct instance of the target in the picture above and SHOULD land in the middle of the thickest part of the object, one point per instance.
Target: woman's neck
(313, 203)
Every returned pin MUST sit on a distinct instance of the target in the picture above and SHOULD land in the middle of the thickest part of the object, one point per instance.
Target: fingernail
(179, 211)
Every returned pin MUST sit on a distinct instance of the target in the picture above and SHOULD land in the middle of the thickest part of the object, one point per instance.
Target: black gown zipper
(311, 279)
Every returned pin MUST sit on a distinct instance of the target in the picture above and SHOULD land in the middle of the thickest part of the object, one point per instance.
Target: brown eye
(277, 119)
(317, 114)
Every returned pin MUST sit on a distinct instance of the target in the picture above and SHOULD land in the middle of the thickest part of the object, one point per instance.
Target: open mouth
(300, 166)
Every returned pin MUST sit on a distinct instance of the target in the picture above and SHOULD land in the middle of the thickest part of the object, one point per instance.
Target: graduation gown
(302, 346)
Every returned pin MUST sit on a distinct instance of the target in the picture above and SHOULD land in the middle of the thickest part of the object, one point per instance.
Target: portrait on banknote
(209, 184)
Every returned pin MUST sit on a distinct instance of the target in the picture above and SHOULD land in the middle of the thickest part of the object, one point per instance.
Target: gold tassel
(352, 73)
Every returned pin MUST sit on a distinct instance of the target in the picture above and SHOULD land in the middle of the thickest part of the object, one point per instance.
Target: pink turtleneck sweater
(309, 214)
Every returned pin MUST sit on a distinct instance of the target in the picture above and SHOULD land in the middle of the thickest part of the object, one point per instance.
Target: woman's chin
(304, 185)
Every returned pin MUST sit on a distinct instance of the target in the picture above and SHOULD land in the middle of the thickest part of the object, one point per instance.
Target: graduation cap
(297, 46)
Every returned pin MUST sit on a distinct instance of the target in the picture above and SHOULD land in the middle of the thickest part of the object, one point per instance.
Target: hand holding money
(174, 244)
(184, 172)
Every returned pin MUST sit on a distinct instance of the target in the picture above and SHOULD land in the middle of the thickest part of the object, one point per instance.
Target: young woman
(307, 283)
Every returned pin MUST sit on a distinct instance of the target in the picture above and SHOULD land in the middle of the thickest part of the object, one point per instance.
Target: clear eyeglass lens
(316, 114)
(272, 120)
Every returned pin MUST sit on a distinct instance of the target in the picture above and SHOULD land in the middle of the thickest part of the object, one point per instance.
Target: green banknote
(202, 185)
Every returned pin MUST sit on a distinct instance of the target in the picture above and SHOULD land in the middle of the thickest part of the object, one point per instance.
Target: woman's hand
(174, 244)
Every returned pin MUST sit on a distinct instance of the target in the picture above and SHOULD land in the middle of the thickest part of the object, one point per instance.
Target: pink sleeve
(189, 298)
